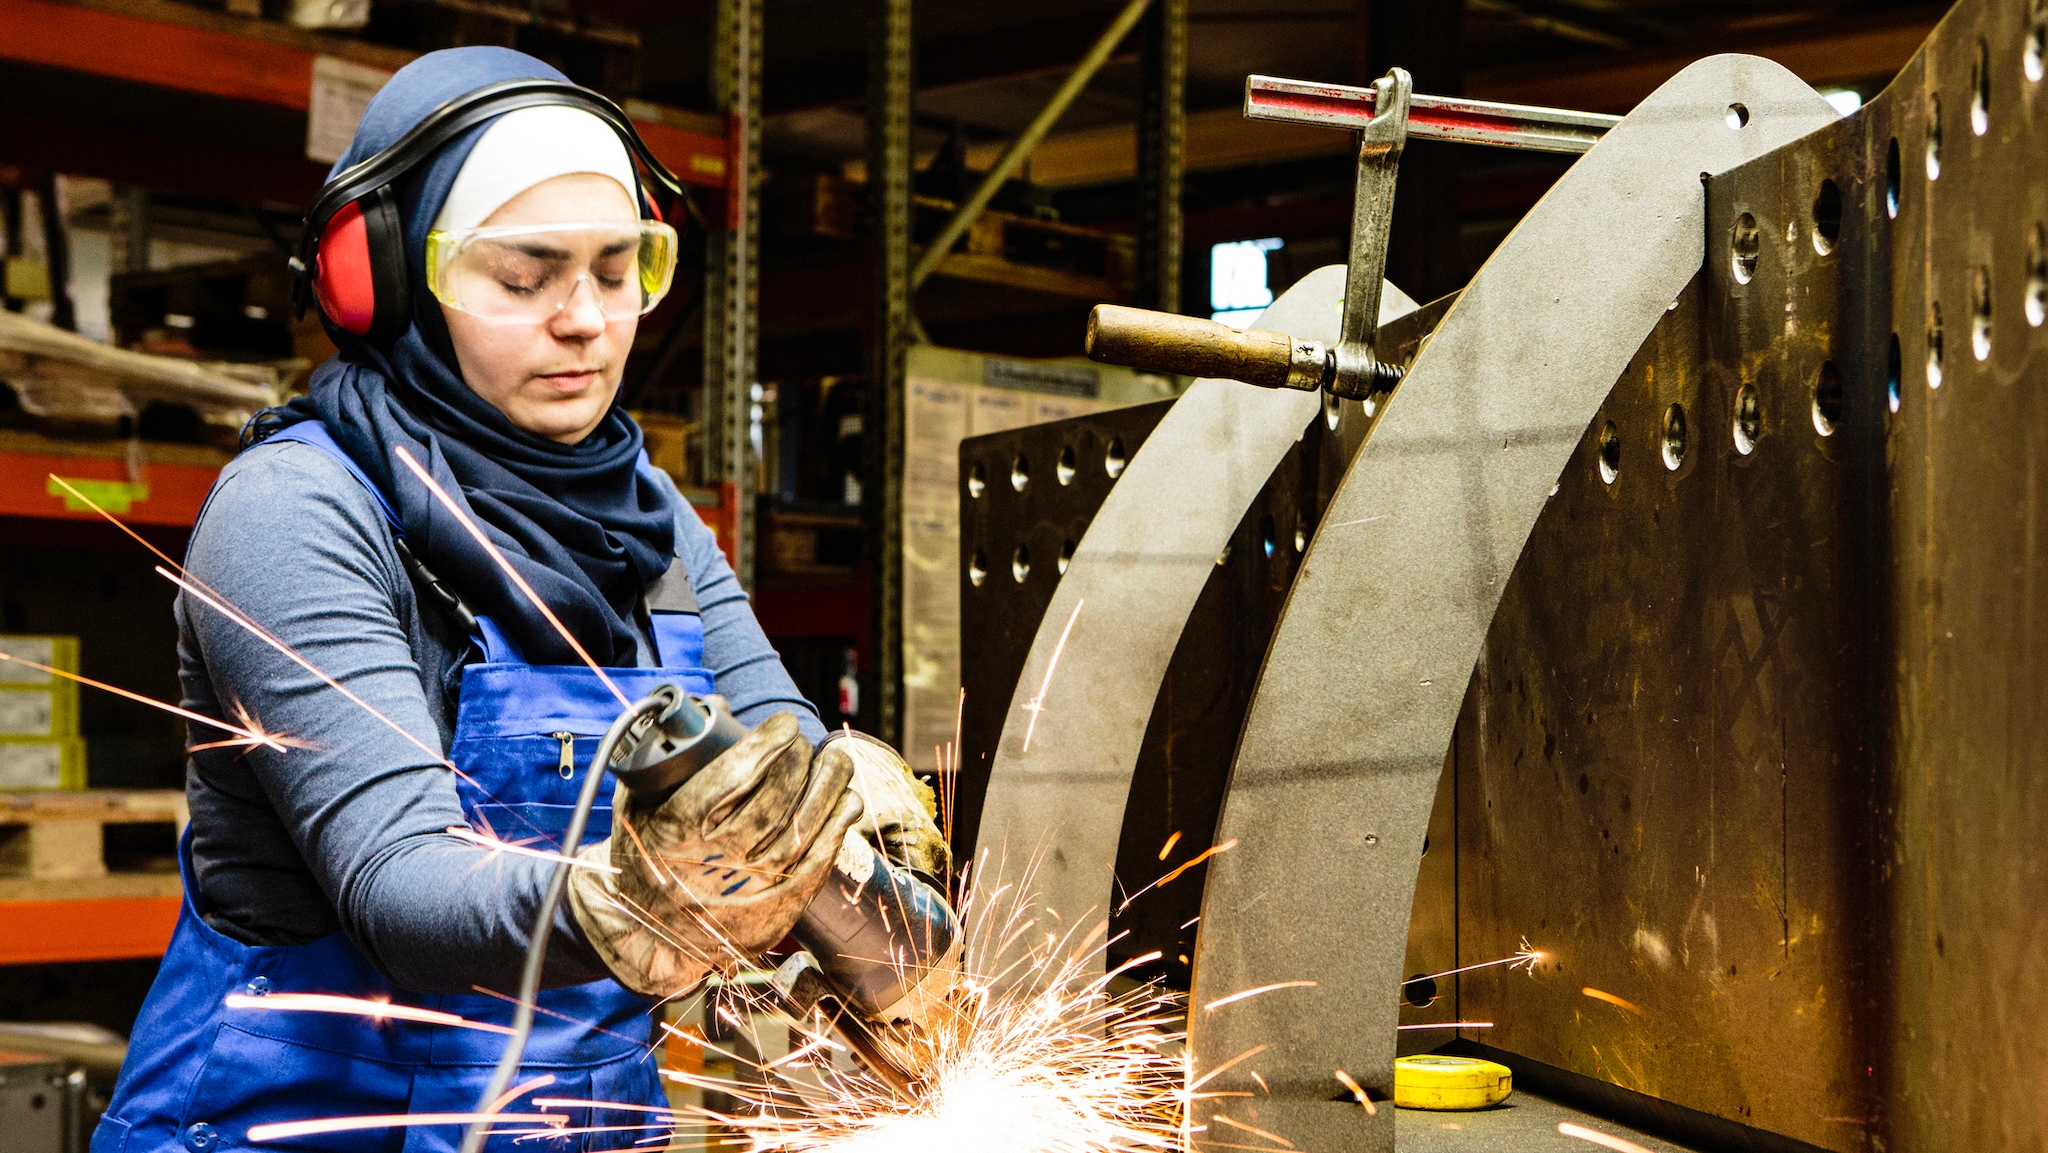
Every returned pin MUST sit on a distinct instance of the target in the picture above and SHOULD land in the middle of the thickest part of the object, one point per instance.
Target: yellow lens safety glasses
(530, 273)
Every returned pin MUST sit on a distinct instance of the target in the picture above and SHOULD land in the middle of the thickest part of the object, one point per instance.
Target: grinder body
(886, 944)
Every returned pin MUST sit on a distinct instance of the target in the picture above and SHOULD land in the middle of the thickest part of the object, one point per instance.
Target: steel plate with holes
(1342, 752)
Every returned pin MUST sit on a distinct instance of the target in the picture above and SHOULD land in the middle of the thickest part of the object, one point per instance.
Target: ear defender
(359, 269)
(351, 255)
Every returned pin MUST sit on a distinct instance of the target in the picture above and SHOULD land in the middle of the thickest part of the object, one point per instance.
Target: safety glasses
(528, 273)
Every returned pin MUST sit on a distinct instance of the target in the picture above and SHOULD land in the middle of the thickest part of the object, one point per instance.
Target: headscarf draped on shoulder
(581, 523)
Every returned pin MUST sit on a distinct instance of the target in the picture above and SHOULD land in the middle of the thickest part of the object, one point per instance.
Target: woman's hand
(720, 871)
(900, 812)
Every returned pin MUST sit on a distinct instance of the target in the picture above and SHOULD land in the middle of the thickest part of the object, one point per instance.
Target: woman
(350, 863)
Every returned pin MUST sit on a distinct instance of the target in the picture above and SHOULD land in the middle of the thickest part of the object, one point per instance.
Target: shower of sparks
(1184, 867)
(1603, 995)
(1167, 848)
(485, 840)
(247, 737)
(1449, 1025)
(1247, 994)
(355, 1007)
(1036, 705)
(1618, 1144)
(1040, 1057)
(469, 524)
(1525, 958)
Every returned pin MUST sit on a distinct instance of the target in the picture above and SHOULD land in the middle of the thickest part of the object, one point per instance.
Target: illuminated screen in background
(1238, 290)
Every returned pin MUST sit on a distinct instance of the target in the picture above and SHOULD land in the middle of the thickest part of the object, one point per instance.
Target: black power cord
(558, 883)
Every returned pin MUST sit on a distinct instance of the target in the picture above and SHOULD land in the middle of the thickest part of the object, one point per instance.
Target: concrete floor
(1524, 1123)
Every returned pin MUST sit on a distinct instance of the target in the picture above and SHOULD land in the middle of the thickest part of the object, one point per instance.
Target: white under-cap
(524, 147)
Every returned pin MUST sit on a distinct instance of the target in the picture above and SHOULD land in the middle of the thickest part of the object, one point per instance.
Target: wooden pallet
(60, 836)
(58, 900)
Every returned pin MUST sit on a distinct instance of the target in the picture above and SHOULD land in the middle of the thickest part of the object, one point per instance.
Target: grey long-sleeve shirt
(350, 833)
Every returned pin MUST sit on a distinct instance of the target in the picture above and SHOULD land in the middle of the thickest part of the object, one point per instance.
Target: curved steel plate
(1339, 763)
(1134, 579)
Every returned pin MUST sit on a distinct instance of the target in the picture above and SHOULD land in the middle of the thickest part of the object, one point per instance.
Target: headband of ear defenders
(356, 216)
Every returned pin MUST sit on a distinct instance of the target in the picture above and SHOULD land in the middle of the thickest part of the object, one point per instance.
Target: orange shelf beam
(165, 494)
(99, 929)
(209, 54)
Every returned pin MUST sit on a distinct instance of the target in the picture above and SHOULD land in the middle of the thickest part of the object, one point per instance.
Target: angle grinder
(881, 947)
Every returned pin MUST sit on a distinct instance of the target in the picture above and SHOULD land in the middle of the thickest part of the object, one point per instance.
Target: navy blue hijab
(581, 524)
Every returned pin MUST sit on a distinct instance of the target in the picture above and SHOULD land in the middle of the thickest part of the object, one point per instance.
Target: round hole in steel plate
(1066, 556)
(1894, 371)
(1064, 470)
(1827, 217)
(1673, 442)
(1738, 116)
(1020, 473)
(1980, 91)
(1934, 138)
(1114, 458)
(1020, 564)
(1749, 419)
(1934, 345)
(1745, 245)
(1891, 180)
(1827, 399)
(1980, 314)
(977, 568)
(977, 480)
(1610, 453)
(2036, 306)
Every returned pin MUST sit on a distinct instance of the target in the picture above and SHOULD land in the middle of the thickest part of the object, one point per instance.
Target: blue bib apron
(199, 1074)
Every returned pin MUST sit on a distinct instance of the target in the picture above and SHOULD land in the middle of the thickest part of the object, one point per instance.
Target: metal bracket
(1357, 373)
(1162, 342)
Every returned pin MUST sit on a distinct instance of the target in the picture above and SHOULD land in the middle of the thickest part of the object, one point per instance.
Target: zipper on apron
(567, 765)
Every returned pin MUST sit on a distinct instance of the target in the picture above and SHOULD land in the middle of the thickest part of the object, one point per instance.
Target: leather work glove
(901, 811)
(720, 871)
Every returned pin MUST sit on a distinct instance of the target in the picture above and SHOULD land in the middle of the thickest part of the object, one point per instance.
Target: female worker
(482, 256)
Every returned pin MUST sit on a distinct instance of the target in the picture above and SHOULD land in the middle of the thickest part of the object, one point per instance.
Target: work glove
(901, 814)
(720, 871)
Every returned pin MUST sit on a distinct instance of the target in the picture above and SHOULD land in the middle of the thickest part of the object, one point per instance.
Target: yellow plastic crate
(35, 705)
(42, 764)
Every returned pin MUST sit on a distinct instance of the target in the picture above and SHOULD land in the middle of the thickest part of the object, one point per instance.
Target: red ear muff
(342, 279)
(359, 269)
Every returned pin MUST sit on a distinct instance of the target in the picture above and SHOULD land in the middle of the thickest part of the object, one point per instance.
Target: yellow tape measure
(1433, 1082)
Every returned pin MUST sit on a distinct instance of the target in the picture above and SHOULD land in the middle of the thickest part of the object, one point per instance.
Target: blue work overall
(200, 1074)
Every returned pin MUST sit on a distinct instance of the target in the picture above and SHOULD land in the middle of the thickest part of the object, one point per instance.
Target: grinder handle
(674, 743)
(1188, 345)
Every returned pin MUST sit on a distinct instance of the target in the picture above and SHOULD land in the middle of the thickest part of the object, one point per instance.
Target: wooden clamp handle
(1190, 346)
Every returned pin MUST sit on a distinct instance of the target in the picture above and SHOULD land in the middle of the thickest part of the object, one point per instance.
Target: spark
(1603, 995)
(1449, 1025)
(1171, 840)
(219, 604)
(243, 736)
(1185, 866)
(1036, 705)
(1524, 956)
(1235, 1124)
(355, 1006)
(282, 1129)
(485, 840)
(1618, 1144)
(448, 502)
(1249, 993)
(1358, 1093)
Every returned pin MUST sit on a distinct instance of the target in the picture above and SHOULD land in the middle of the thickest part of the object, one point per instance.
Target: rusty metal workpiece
(1345, 741)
